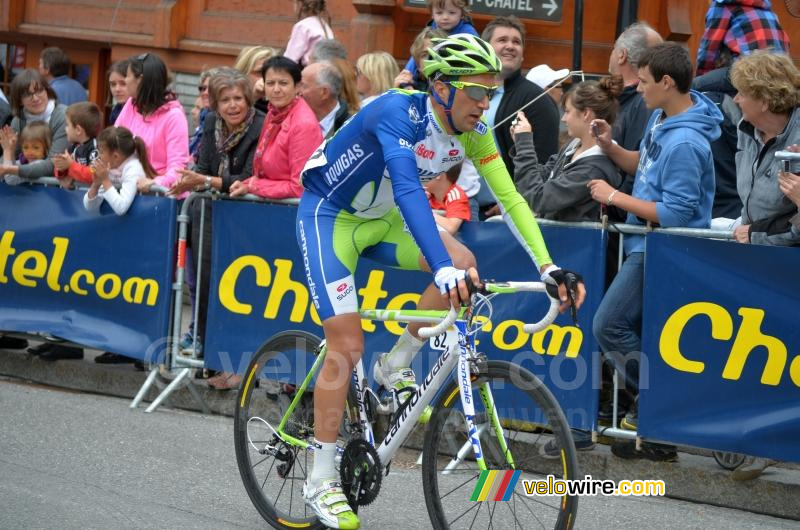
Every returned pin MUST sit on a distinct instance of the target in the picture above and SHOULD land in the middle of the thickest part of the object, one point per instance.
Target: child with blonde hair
(35, 139)
(451, 16)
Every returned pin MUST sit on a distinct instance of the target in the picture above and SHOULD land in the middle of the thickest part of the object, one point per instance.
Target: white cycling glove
(447, 278)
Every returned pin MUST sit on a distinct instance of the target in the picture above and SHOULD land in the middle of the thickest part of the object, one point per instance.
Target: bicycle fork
(467, 402)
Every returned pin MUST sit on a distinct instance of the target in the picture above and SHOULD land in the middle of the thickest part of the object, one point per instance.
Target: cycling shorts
(331, 240)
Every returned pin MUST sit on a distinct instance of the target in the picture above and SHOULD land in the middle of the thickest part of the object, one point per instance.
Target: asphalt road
(71, 460)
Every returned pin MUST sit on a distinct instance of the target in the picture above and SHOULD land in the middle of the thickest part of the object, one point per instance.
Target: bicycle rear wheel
(537, 437)
(272, 470)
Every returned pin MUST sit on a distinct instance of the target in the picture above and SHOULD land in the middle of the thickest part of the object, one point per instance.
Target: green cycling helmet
(460, 54)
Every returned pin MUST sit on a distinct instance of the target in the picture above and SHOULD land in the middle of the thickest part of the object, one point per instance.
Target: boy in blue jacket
(674, 186)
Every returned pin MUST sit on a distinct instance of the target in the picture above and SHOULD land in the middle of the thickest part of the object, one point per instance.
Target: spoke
(475, 505)
(266, 457)
(268, 473)
(279, 493)
(534, 499)
(470, 479)
(534, 515)
(476, 515)
(514, 513)
(491, 514)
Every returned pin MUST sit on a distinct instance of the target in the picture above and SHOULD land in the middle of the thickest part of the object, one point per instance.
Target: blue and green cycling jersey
(380, 157)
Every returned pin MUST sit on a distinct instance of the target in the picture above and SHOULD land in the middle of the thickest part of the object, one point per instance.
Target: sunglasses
(142, 57)
(474, 90)
(202, 88)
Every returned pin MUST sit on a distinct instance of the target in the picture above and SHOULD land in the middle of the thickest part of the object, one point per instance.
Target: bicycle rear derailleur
(361, 473)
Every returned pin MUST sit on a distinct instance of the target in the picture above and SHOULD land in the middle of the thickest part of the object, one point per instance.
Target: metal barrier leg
(183, 374)
(145, 387)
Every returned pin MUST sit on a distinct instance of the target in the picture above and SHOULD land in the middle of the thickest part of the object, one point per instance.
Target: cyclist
(363, 196)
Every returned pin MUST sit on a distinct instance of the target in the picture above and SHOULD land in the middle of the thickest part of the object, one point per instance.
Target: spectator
(314, 24)
(122, 163)
(156, 116)
(35, 140)
(327, 49)
(84, 121)
(738, 27)
(290, 135)
(631, 122)
(546, 78)
(558, 189)
(202, 88)
(717, 87)
(769, 96)
(32, 99)
(54, 66)
(375, 73)
(674, 186)
(349, 94)
(249, 62)
(451, 16)
(5, 111)
(445, 194)
(321, 87)
(232, 129)
(116, 84)
(419, 50)
(507, 37)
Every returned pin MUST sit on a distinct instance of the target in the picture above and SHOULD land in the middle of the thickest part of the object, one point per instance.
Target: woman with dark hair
(558, 188)
(116, 85)
(156, 116)
(32, 99)
(290, 135)
(230, 136)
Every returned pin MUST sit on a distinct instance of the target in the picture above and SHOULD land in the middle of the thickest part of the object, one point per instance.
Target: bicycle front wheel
(530, 434)
(272, 470)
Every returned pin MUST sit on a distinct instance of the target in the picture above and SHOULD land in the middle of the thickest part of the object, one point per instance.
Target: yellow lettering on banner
(74, 281)
(60, 245)
(397, 303)
(794, 371)
(669, 342)
(227, 282)
(6, 250)
(116, 286)
(499, 335)
(282, 284)
(371, 294)
(23, 274)
(749, 338)
(134, 289)
(556, 343)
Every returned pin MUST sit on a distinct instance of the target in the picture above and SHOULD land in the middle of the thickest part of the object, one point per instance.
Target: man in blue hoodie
(674, 186)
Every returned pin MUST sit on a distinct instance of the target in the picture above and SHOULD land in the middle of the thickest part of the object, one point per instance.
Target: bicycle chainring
(361, 473)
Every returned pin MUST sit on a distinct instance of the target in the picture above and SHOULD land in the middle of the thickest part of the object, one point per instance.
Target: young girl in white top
(312, 27)
(122, 162)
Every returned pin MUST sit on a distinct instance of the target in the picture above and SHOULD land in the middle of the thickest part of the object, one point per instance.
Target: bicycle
(506, 428)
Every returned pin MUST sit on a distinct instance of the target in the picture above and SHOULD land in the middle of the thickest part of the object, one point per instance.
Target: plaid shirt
(741, 26)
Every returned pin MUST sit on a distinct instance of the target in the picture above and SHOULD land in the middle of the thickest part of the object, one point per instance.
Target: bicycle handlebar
(490, 286)
(441, 327)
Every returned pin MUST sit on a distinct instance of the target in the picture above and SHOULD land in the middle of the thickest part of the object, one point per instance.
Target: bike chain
(360, 472)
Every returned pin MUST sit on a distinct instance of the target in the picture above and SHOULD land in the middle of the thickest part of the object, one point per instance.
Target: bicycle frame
(458, 353)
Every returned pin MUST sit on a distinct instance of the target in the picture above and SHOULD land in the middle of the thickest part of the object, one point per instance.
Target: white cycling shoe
(329, 504)
(396, 379)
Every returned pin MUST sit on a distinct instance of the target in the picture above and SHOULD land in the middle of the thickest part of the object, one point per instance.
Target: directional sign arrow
(551, 6)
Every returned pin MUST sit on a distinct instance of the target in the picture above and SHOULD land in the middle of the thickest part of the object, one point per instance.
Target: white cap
(544, 76)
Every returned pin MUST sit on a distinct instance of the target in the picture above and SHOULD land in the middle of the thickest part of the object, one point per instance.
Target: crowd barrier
(724, 365)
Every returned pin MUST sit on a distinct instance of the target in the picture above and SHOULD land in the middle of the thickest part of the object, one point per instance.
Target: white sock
(404, 350)
(324, 463)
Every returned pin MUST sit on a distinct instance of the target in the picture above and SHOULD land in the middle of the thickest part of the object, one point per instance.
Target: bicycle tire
(264, 485)
(446, 435)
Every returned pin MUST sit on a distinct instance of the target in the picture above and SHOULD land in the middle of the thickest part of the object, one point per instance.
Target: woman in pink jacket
(156, 116)
(290, 135)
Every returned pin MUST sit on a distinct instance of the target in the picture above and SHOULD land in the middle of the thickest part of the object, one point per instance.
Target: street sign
(549, 10)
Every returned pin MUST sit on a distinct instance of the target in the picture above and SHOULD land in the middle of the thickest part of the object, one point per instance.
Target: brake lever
(572, 309)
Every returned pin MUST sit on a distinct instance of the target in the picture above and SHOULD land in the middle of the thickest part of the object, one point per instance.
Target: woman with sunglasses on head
(32, 99)
(364, 196)
(203, 109)
(156, 116)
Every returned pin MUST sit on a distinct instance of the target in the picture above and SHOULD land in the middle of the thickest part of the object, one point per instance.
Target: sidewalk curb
(693, 478)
